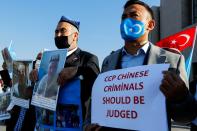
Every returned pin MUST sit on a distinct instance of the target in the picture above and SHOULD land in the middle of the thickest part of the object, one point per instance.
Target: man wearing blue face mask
(137, 23)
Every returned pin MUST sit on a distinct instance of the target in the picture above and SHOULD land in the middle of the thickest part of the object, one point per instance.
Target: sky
(30, 25)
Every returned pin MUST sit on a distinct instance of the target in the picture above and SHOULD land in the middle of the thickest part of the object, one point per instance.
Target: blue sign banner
(68, 115)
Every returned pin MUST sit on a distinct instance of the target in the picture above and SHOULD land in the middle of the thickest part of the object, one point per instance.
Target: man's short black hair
(131, 2)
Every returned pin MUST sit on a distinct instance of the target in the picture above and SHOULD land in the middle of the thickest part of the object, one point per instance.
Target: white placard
(130, 98)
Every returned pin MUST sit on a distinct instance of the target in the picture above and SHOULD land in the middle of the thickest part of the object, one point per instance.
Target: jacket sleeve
(89, 72)
(183, 111)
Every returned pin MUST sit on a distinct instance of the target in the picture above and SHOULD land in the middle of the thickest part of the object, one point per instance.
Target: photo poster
(4, 103)
(130, 98)
(21, 83)
(68, 115)
(7, 57)
(46, 90)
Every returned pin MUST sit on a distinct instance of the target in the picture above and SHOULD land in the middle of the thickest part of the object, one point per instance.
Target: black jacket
(192, 87)
(28, 122)
(88, 68)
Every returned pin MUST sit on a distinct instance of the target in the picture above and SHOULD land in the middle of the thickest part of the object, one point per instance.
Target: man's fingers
(164, 90)
(66, 74)
(175, 76)
(173, 87)
(60, 79)
(98, 128)
(93, 127)
(165, 84)
(169, 78)
(33, 75)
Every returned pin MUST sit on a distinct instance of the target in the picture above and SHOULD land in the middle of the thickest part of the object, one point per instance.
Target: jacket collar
(156, 56)
(73, 59)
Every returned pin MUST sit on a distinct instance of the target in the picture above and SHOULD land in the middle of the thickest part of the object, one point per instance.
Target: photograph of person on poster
(48, 81)
(20, 78)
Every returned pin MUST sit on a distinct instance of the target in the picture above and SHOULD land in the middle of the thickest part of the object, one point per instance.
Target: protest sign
(130, 98)
(8, 56)
(21, 82)
(45, 92)
(68, 115)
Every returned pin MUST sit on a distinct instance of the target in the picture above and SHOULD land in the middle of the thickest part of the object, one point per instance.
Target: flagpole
(10, 45)
(191, 55)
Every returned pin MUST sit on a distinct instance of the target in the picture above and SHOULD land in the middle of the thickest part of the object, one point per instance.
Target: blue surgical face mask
(131, 29)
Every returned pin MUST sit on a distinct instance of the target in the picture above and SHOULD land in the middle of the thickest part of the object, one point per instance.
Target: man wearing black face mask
(66, 34)
(79, 64)
(137, 23)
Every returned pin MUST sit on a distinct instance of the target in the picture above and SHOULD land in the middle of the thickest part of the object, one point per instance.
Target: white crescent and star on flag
(183, 36)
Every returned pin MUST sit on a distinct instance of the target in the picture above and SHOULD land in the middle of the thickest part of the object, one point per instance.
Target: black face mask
(61, 42)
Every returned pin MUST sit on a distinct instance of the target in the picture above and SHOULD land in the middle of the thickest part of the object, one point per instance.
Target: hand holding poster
(46, 89)
(130, 98)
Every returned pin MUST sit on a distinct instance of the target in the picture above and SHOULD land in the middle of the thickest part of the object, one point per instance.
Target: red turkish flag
(180, 41)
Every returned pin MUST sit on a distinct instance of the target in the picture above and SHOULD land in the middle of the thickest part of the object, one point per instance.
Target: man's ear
(151, 25)
(76, 36)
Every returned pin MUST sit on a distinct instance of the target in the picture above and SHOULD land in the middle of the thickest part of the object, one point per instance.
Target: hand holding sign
(66, 74)
(173, 87)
